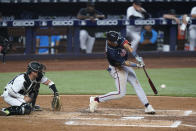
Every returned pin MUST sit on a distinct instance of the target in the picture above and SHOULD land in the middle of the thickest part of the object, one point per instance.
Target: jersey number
(12, 81)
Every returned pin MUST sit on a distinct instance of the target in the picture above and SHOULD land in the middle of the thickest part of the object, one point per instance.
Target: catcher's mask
(35, 66)
(113, 36)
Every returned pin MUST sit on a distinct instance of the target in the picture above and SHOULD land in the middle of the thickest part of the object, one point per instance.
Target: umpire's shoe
(4, 112)
(93, 104)
(149, 110)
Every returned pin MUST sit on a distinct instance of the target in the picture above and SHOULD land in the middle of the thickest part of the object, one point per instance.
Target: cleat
(4, 112)
(37, 108)
(149, 110)
(93, 104)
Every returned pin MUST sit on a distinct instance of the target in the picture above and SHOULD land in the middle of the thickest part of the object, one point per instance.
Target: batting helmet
(35, 66)
(113, 36)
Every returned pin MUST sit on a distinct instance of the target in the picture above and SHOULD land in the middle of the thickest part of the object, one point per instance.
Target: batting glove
(140, 66)
(140, 60)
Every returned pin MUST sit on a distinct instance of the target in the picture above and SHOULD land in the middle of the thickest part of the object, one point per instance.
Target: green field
(179, 82)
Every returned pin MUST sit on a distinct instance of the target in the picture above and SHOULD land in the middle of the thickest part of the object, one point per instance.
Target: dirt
(75, 107)
(109, 115)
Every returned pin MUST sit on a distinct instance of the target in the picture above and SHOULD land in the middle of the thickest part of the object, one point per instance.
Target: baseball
(163, 86)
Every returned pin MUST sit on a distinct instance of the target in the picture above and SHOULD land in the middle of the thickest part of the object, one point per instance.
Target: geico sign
(107, 22)
(60, 23)
(144, 22)
(23, 23)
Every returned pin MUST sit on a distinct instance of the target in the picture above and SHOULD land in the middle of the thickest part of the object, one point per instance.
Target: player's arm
(81, 15)
(56, 103)
(127, 46)
(193, 16)
(173, 17)
(145, 14)
(99, 15)
(17, 85)
(132, 64)
(15, 88)
(51, 85)
(142, 11)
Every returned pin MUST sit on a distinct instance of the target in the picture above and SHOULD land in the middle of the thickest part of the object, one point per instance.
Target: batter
(120, 68)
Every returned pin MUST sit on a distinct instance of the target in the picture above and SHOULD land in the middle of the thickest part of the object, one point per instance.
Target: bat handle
(145, 71)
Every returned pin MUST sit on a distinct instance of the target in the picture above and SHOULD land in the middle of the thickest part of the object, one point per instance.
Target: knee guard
(15, 110)
(25, 108)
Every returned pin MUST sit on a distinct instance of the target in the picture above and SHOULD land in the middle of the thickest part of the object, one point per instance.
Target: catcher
(21, 92)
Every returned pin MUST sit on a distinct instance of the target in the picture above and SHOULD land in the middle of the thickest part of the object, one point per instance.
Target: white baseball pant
(86, 41)
(192, 34)
(121, 77)
(12, 100)
(135, 37)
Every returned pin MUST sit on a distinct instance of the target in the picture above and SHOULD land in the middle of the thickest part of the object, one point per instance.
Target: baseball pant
(135, 37)
(86, 41)
(192, 34)
(121, 77)
(12, 100)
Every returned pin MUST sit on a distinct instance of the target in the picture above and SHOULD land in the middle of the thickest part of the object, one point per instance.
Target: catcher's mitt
(56, 103)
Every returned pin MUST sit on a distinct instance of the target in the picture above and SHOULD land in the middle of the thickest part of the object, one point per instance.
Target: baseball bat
(150, 82)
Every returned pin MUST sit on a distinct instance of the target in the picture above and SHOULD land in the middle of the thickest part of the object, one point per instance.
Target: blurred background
(43, 37)
(49, 30)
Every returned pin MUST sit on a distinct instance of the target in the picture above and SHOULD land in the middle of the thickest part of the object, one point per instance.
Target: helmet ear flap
(43, 67)
(28, 71)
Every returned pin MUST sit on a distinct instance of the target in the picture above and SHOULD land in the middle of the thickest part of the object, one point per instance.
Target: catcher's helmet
(35, 66)
(113, 36)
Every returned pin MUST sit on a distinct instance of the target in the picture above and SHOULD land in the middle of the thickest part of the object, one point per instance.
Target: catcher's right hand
(56, 103)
